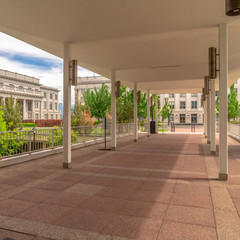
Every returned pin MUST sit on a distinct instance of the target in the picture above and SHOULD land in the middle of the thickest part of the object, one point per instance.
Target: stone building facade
(36, 100)
(85, 83)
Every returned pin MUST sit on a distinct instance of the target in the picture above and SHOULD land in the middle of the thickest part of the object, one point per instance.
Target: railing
(234, 130)
(28, 141)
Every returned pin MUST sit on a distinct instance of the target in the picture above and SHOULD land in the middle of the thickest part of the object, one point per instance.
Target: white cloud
(52, 77)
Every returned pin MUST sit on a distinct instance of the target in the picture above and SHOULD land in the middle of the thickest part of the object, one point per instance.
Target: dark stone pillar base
(208, 142)
(135, 140)
(213, 152)
(67, 165)
(223, 177)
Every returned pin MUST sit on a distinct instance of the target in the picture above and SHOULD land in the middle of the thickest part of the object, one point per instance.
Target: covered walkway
(163, 187)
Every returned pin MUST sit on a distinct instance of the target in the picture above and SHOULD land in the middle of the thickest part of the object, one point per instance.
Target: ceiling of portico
(162, 45)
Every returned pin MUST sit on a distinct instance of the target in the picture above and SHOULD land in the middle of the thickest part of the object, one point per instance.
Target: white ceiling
(162, 45)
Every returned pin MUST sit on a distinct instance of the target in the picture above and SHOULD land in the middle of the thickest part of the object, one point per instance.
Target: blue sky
(17, 56)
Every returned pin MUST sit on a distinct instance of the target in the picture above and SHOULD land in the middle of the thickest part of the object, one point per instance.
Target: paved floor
(163, 187)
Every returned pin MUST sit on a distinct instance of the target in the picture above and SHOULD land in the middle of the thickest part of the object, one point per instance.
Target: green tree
(142, 106)
(81, 117)
(3, 127)
(124, 104)
(233, 104)
(166, 110)
(12, 114)
(98, 101)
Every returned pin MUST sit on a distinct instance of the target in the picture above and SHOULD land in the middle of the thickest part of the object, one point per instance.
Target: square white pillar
(135, 113)
(113, 110)
(205, 118)
(208, 119)
(148, 113)
(156, 113)
(213, 117)
(223, 101)
(66, 108)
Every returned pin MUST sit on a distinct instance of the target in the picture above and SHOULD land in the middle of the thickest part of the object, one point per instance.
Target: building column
(148, 113)
(113, 110)
(40, 109)
(33, 110)
(135, 113)
(66, 108)
(205, 118)
(156, 113)
(24, 109)
(223, 101)
(213, 117)
(208, 119)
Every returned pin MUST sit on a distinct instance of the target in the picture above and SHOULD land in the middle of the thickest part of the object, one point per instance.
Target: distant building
(36, 100)
(186, 107)
(85, 83)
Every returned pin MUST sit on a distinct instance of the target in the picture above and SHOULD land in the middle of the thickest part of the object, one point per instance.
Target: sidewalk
(164, 187)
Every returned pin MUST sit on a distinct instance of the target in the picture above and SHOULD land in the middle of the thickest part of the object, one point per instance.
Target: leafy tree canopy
(166, 110)
(12, 114)
(98, 101)
(233, 104)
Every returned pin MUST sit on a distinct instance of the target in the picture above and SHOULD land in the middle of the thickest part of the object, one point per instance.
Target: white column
(135, 113)
(66, 108)
(33, 110)
(113, 110)
(213, 117)
(208, 119)
(156, 113)
(205, 118)
(24, 109)
(223, 101)
(148, 113)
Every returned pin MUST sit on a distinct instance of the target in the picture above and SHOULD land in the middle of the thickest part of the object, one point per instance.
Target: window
(50, 106)
(182, 95)
(182, 105)
(36, 116)
(193, 118)
(45, 116)
(82, 91)
(171, 118)
(29, 106)
(194, 95)
(50, 95)
(56, 96)
(56, 116)
(29, 115)
(182, 118)
(217, 93)
(194, 104)
(171, 95)
(55, 106)
(45, 95)
(45, 105)
(51, 116)
(36, 104)
(172, 104)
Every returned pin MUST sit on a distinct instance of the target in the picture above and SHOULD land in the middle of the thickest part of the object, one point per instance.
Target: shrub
(142, 124)
(28, 121)
(48, 122)
(8, 146)
(29, 125)
(97, 122)
(58, 137)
